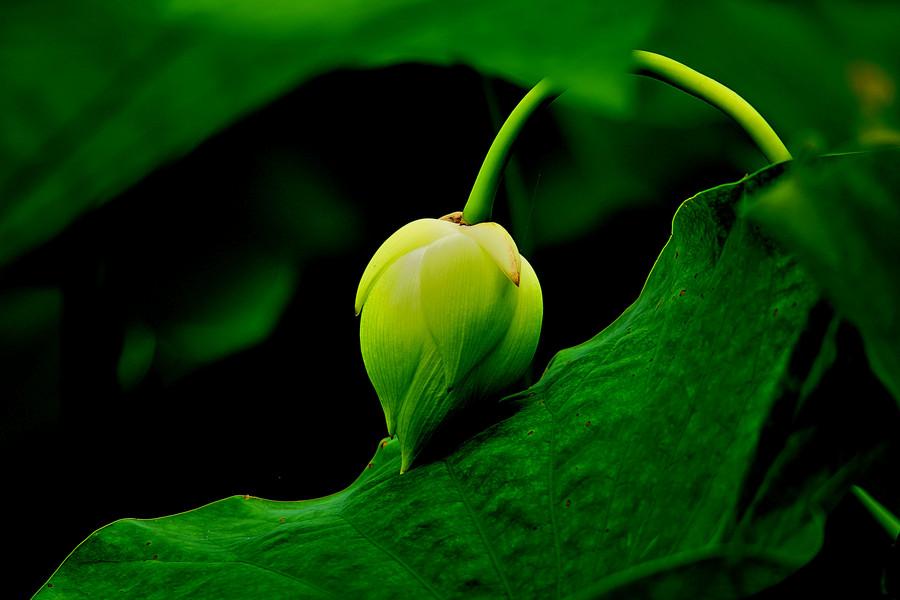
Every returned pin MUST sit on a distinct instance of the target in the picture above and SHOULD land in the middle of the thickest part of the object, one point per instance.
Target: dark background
(297, 196)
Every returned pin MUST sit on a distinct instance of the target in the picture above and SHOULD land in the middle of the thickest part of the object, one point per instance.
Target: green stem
(520, 207)
(481, 199)
(888, 521)
(709, 90)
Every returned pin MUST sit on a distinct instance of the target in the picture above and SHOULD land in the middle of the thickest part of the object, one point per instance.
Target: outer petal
(406, 239)
(423, 409)
(499, 245)
(392, 333)
(468, 303)
(512, 356)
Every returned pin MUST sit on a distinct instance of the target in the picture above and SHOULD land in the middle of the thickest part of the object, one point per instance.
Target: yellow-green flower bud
(450, 312)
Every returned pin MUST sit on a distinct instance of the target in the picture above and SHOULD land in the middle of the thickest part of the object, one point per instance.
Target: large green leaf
(842, 219)
(634, 465)
(96, 94)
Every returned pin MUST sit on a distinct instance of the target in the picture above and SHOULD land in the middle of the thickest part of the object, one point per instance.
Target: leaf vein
(396, 558)
(478, 526)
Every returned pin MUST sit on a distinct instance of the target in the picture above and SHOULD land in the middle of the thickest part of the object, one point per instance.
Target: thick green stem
(481, 199)
(711, 91)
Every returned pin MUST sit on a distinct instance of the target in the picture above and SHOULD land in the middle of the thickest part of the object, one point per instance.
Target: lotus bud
(450, 312)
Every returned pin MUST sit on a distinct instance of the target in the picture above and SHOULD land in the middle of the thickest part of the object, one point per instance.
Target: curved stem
(517, 196)
(716, 94)
(481, 199)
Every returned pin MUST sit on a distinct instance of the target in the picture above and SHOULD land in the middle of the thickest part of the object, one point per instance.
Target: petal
(499, 245)
(406, 239)
(509, 360)
(468, 303)
(392, 332)
(423, 409)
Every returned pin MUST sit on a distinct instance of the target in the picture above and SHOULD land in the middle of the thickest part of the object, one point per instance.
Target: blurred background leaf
(842, 220)
(97, 94)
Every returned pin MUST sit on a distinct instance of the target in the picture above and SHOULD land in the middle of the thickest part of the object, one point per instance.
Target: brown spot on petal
(281, 519)
(370, 465)
(587, 423)
(682, 292)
